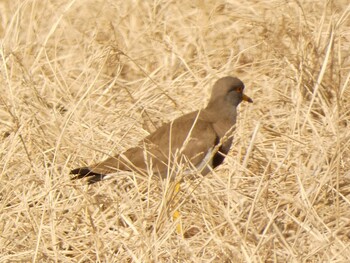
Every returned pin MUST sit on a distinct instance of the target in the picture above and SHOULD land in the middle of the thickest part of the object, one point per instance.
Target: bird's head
(229, 89)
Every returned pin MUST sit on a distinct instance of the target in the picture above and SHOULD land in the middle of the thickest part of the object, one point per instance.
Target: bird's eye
(239, 89)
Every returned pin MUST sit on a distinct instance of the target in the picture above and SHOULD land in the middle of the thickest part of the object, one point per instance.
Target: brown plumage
(198, 139)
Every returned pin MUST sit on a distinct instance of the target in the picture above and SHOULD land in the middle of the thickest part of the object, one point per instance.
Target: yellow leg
(177, 214)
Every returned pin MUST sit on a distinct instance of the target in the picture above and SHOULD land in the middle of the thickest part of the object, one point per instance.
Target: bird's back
(186, 139)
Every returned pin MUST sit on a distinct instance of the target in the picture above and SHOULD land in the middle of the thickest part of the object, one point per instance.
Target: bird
(200, 139)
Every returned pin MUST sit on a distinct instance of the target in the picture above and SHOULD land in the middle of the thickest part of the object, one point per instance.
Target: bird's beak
(246, 98)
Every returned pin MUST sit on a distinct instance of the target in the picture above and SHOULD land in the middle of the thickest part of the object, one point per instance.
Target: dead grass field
(84, 79)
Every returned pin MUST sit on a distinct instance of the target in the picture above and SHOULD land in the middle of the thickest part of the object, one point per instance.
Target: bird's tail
(83, 172)
(100, 171)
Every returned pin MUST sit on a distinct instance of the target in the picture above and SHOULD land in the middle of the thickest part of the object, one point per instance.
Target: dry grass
(81, 79)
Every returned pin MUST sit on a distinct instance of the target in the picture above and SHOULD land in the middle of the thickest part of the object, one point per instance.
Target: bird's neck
(222, 116)
(222, 110)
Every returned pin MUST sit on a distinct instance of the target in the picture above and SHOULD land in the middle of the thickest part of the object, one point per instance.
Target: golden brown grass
(82, 79)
